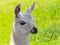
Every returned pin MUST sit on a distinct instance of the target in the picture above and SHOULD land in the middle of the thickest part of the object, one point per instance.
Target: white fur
(19, 37)
(21, 33)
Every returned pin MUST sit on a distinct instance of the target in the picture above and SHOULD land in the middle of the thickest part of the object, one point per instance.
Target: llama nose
(34, 30)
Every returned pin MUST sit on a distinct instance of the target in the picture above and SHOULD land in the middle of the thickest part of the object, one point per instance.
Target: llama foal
(23, 26)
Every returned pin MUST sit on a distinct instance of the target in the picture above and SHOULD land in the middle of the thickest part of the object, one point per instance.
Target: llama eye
(22, 22)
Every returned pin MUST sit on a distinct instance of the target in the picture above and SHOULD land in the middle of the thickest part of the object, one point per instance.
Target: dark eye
(22, 22)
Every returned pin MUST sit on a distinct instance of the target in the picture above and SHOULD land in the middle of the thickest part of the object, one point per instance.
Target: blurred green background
(47, 19)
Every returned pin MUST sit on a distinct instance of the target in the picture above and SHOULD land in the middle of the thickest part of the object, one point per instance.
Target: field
(47, 20)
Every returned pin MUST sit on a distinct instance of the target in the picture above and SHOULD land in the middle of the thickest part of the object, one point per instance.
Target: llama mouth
(34, 31)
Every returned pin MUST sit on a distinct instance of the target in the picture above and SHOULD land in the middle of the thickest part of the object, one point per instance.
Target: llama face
(24, 20)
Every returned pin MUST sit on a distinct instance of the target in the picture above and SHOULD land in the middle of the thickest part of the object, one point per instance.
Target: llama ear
(31, 8)
(17, 10)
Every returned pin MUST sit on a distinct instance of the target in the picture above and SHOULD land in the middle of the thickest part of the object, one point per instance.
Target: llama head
(24, 20)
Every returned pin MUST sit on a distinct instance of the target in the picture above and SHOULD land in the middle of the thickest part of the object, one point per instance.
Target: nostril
(34, 28)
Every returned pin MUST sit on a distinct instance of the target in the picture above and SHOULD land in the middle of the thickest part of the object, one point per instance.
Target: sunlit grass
(47, 19)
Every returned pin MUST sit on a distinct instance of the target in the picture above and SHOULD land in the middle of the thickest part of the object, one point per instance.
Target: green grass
(47, 19)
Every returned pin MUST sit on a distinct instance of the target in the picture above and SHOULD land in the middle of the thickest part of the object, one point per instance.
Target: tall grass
(47, 20)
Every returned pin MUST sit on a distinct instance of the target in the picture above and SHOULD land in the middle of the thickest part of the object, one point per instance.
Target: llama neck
(21, 40)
